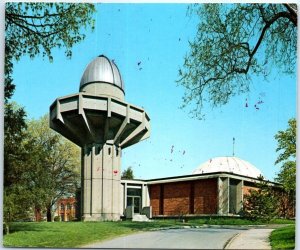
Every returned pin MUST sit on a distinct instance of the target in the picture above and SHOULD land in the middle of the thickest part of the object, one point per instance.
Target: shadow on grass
(139, 226)
(32, 227)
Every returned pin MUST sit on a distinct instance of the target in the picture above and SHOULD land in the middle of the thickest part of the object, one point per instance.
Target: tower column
(101, 182)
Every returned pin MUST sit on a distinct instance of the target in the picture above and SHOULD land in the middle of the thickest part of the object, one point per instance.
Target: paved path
(251, 239)
(192, 238)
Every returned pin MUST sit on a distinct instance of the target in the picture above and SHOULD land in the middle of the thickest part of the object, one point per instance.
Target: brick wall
(154, 191)
(191, 197)
(176, 198)
(206, 196)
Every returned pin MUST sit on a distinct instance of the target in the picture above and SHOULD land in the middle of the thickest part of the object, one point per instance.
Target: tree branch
(293, 12)
(268, 24)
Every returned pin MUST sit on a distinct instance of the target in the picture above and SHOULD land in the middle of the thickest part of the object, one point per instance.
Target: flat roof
(198, 176)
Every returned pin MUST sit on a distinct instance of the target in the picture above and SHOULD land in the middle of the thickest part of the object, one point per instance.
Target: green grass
(283, 238)
(234, 221)
(72, 234)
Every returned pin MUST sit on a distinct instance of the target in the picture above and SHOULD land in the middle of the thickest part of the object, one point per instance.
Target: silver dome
(102, 70)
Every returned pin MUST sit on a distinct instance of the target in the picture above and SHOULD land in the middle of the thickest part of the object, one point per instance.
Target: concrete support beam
(223, 195)
(145, 196)
(239, 196)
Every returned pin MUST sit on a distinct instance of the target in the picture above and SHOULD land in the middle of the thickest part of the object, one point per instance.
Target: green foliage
(287, 157)
(287, 142)
(287, 146)
(55, 164)
(234, 42)
(261, 203)
(48, 171)
(14, 133)
(283, 238)
(287, 176)
(127, 174)
(36, 28)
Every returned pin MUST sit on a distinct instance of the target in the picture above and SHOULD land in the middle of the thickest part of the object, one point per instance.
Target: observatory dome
(99, 76)
(233, 165)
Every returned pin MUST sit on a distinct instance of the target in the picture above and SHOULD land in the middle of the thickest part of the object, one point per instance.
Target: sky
(157, 35)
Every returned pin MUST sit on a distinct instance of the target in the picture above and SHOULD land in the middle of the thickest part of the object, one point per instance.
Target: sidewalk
(257, 238)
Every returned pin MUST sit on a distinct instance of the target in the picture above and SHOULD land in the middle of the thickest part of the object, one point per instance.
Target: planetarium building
(216, 187)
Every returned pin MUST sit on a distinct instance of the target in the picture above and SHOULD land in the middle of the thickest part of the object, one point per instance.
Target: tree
(49, 170)
(127, 174)
(55, 165)
(14, 134)
(36, 28)
(287, 142)
(287, 148)
(261, 203)
(16, 154)
(234, 42)
(32, 29)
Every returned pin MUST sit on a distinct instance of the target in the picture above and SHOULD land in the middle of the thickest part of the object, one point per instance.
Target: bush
(261, 204)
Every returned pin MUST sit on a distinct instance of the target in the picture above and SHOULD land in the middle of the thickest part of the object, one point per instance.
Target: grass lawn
(72, 234)
(283, 238)
(234, 221)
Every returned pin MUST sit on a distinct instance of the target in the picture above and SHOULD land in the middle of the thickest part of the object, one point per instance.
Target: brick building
(216, 187)
(66, 209)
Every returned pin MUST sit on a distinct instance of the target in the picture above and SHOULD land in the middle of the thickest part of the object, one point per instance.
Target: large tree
(37, 28)
(48, 171)
(32, 29)
(234, 42)
(15, 194)
(287, 158)
(55, 165)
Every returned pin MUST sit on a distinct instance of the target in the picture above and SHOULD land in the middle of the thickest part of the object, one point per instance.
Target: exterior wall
(176, 198)
(155, 198)
(190, 197)
(206, 196)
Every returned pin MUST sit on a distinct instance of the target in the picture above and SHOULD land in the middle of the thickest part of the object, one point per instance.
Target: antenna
(233, 141)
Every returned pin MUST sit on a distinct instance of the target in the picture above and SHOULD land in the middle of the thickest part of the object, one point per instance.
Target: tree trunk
(37, 214)
(5, 228)
(49, 214)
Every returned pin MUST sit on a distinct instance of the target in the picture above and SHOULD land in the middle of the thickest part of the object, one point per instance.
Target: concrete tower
(100, 121)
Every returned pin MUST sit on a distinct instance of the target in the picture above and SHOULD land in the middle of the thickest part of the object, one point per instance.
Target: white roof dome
(233, 165)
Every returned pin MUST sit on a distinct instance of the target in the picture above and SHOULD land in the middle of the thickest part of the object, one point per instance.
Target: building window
(62, 207)
(134, 191)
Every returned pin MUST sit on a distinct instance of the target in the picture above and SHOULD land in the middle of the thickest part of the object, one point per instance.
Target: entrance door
(134, 201)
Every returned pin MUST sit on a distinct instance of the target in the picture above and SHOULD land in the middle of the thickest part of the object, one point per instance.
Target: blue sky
(157, 35)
